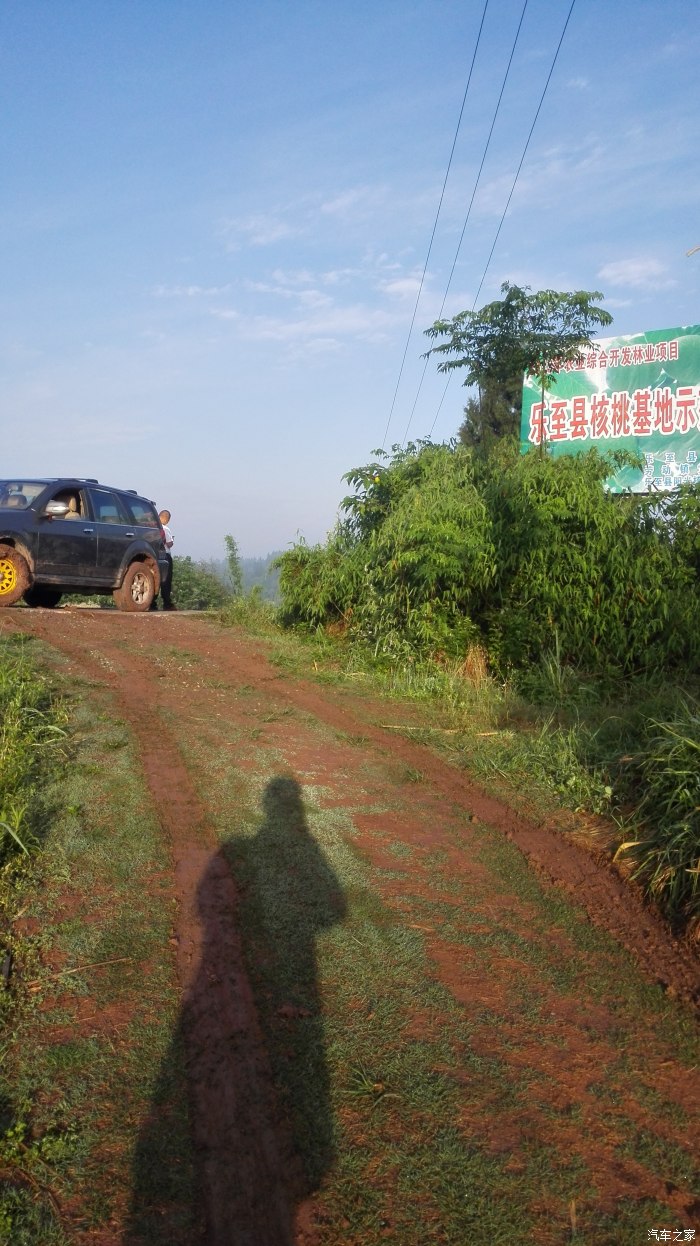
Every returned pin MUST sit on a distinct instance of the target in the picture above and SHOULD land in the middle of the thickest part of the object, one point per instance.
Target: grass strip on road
(457, 1053)
(622, 747)
(462, 1056)
(89, 1019)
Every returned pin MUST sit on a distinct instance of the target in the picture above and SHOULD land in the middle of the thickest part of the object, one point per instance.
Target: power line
(437, 215)
(469, 209)
(522, 158)
(515, 182)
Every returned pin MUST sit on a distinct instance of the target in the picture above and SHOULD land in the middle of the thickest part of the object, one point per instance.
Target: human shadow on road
(252, 1034)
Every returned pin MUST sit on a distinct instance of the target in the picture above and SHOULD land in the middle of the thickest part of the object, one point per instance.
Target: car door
(146, 522)
(67, 545)
(115, 533)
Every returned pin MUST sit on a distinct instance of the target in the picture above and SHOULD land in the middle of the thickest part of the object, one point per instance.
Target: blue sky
(215, 217)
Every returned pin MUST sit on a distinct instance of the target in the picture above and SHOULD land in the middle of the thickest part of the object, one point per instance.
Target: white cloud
(578, 84)
(171, 292)
(293, 277)
(555, 170)
(640, 274)
(261, 230)
(314, 298)
(403, 287)
(358, 321)
(357, 201)
(338, 276)
(315, 347)
(264, 287)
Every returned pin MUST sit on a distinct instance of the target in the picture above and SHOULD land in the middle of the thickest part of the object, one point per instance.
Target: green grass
(252, 612)
(394, 1127)
(664, 847)
(622, 747)
(87, 1053)
(30, 726)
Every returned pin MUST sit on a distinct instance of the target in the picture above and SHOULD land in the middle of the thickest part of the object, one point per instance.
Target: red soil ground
(226, 1059)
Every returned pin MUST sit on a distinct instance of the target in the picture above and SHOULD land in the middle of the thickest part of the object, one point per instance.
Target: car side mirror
(56, 510)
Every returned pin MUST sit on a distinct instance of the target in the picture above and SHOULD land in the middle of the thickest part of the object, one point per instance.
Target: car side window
(74, 500)
(107, 507)
(142, 513)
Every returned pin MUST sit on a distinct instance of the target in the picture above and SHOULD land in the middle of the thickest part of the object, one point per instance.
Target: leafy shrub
(196, 586)
(598, 571)
(319, 584)
(441, 548)
(251, 610)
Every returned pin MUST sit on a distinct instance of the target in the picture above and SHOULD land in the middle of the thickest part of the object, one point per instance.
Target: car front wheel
(138, 588)
(15, 576)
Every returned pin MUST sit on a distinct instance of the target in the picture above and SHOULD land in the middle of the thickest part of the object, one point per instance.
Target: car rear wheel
(39, 595)
(15, 576)
(138, 588)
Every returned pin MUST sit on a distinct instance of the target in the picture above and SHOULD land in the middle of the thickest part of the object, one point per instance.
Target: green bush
(250, 610)
(441, 548)
(196, 585)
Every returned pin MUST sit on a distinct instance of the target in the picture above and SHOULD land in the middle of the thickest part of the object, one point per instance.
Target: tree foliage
(196, 586)
(493, 414)
(440, 548)
(522, 332)
(233, 565)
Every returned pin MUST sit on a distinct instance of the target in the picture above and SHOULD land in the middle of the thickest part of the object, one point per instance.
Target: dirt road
(213, 716)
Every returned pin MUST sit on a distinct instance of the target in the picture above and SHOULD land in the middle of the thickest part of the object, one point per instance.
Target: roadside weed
(91, 966)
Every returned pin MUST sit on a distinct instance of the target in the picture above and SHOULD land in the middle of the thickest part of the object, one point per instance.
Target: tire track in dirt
(611, 902)
(221, 1019)
(243, 1171)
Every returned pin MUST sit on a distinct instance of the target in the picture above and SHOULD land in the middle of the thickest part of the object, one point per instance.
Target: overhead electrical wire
(437, 216)
(471, 204)
(512, 189)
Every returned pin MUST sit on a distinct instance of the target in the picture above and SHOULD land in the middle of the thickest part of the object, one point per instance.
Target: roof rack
(90, 480)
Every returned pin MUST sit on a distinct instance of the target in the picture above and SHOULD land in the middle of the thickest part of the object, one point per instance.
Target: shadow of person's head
(283, 804)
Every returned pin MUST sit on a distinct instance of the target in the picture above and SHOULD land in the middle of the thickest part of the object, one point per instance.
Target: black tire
(138, 588)
(15, 576)
(42, 595)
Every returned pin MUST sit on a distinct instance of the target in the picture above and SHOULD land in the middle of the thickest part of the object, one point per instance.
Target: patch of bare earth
(565, 1043)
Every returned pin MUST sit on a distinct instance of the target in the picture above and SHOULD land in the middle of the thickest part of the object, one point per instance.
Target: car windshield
(19, 494)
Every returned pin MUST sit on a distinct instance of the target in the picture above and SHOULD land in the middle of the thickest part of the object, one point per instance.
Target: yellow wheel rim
(8, 577)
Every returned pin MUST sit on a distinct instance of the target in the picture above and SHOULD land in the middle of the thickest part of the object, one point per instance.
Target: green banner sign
(638, 393)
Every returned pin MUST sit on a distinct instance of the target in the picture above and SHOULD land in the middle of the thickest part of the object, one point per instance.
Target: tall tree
(493, 413)
(522, 332)
(233, 563)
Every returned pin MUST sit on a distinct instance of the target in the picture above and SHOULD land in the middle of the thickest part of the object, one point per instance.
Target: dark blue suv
(70, 535)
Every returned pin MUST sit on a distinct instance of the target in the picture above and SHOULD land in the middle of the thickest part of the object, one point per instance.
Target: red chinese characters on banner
(539, 427)
(663, 411)
(603, 416)
(600, 406)
(686, 408)
(558, 419)
(642, 414)
(619, 357)
(580, 422)
(619, 414)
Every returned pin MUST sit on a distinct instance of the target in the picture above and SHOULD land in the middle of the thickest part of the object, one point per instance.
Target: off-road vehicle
(71, 535)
